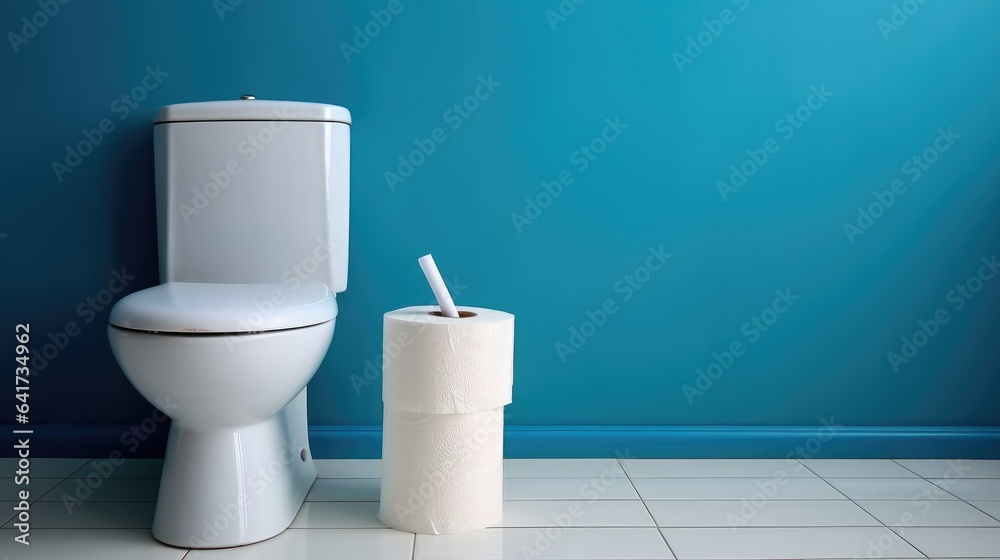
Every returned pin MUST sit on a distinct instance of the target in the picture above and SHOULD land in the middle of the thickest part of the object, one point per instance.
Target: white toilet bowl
(231, 373)
(219, 346)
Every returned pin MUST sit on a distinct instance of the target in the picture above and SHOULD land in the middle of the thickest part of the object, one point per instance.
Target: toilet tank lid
(197, 308)
(252, 110)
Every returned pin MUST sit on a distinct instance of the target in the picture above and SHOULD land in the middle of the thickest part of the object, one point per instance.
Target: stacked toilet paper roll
(445, 382)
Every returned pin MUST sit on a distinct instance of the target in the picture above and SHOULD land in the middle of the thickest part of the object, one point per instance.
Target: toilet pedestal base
(234, 487)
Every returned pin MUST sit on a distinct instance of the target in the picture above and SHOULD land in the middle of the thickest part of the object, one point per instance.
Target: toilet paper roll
(446, 365)
(446, 443)
(441, 473)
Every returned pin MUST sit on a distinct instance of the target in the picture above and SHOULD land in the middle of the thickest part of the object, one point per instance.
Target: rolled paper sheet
(442, 365)
(445, 382)
(441, 473)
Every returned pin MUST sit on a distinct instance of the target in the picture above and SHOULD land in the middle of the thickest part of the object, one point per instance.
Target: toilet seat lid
(196, 308)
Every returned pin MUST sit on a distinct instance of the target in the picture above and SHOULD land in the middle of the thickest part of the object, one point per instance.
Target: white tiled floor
(569, 509)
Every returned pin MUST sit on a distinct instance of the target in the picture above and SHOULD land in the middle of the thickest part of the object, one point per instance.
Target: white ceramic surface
(227, 488)
(257, 110)
(221, 382)
(237, 464)
(253, 201)
(252, 216)
(345, 528)
(194, 307)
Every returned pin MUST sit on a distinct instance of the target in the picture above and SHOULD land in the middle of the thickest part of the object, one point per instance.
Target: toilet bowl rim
(224, 308)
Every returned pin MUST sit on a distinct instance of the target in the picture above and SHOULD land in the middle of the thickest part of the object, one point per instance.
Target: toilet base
(236, 486)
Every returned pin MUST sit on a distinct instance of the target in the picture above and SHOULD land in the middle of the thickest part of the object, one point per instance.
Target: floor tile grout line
(857, 505)
(815, 476)
(883, 523)
(628, 526)
(627, 478)
(685, 500)
(602, 500)
(95, 501)
(950, 497)
(902, 538)
(943, 489)
(649, 513)
(942, 476)
(35, 460)
(658, 500)
(83, 466)
(915, 473)
(977, 508)
(54, 486)
(862, 459)
(645, 505)
(806, 467)
(495, 527)
(614, 500)
(764, 527)
(69, 477)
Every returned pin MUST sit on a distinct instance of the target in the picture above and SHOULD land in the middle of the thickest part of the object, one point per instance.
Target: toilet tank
(252, 191)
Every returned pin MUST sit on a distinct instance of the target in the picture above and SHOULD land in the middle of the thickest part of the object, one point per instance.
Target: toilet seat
(199, 308)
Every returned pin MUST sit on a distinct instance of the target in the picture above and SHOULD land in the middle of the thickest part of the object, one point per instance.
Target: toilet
(252, 224)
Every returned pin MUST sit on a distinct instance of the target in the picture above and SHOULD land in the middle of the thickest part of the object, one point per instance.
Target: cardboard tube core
(461, 314)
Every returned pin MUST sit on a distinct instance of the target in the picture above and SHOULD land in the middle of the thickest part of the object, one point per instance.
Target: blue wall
(606, 137)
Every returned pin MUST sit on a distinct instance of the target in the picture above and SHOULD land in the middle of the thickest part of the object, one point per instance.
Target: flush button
(248, 96)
